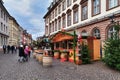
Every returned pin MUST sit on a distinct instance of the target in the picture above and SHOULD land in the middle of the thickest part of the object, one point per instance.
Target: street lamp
(112, 18)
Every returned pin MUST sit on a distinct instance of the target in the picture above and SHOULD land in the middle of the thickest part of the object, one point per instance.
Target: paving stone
(11, 69)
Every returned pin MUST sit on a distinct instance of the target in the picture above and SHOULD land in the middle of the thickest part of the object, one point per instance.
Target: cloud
(19, 7)
(29, 14)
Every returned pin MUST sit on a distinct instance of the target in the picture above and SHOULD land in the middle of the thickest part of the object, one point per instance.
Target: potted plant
(64, 55)
(56, 54)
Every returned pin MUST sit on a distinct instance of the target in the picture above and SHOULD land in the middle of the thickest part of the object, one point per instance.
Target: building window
(46, 30)
(69, 19)
(96, 33)
(1, 14)
(59, 23)
(53, 15)
(74, 0)
(50, 28)
(55, 12)
(75, 15)
(53, 26)
(111, 32)
(68, 3)
(56, 25)
(4, 16)
(84, 33)
(4, 28)
(50, 16)
(84, 11)
(64, 5)
(96, 7)
(112, 3)
(59, 9)
(1, 26)
(64, 21)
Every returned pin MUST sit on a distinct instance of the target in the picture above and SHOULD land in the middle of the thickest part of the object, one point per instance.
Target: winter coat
(21, 51)
(26, 51)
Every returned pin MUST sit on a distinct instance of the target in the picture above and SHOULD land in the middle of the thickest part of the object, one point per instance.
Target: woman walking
(26, 51)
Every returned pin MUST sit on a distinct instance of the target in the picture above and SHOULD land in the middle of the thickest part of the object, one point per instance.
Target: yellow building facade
(13, 32)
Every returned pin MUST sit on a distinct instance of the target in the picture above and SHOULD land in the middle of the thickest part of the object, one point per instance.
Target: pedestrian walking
(29, 51)
(26, 51)
(15, 49)
(12, 49)
(4, 49)
(21, 54)
(8, 49)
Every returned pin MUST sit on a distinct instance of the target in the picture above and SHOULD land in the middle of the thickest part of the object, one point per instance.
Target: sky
(29, 14)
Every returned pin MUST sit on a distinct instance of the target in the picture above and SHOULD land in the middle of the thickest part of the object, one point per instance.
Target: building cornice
(52, 7)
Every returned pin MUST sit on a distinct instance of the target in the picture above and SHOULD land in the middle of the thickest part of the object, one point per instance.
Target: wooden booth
(93, 46)
(63, 47)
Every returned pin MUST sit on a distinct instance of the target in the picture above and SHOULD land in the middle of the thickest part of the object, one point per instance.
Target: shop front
(64, 47)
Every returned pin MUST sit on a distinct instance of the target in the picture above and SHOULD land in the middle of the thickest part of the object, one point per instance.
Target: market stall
(64, 44)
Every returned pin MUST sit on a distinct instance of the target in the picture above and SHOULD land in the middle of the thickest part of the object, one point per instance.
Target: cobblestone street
(11, 69)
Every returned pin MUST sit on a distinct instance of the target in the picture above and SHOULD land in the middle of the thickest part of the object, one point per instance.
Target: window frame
(97, 35)
(69, 20)
(110, 32)
(63, 5)
(83, 5)
(74, 0)
(74, 15)
(107, 5)
(93, 8)
(63, 21)
(59, 23)
(59, 9)
(55, 25)
(69, 2)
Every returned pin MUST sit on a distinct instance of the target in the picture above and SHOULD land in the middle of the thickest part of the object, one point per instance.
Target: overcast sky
(29, 14)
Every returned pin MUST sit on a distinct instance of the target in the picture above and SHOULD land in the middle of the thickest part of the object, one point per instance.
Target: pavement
(11, 69)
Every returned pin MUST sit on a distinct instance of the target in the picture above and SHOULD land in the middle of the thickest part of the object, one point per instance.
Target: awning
(62, 36)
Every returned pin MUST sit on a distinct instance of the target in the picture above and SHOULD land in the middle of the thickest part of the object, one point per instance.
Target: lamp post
(74, 45)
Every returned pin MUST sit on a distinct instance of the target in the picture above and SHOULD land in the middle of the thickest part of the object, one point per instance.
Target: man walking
(4, 49)
(12, 49)
(8, 48)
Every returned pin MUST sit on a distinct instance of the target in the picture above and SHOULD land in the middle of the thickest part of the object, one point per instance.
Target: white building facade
(4, 25)
(84, 16)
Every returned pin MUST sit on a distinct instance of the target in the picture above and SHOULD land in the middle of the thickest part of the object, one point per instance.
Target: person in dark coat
(12, 49)
(21, 52)
(4, 49)
(8, 48)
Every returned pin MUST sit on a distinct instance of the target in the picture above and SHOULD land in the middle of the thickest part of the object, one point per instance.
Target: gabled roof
(61, 35)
